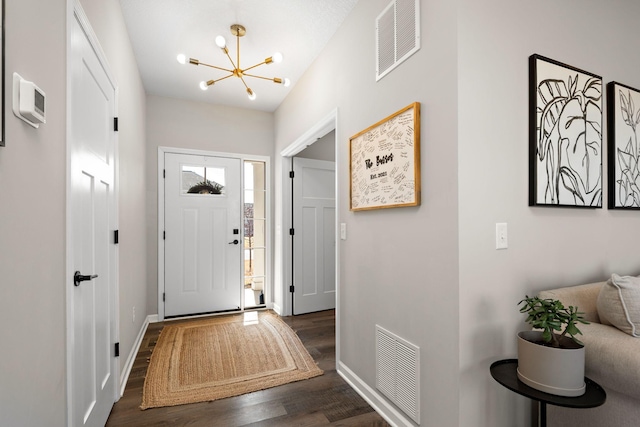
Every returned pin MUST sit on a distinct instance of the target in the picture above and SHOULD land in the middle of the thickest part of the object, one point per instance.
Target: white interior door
(92, 217)
(203, 234)
(314, 241)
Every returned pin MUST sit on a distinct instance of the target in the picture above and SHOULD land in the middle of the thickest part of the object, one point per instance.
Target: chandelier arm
(259, 77)
(244, 83)
(223, 78)
(226, 51)
(255, 66)
(217, 68)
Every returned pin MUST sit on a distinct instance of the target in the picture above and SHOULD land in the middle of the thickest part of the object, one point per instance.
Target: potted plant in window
(206, 187)
(549, 361)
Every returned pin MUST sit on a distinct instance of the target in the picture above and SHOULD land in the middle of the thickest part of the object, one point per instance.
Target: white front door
(314, 241)
(202, 234)
(93, 367)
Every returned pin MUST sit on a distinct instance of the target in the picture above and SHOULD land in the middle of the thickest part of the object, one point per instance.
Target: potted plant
(206, 187)
(551, 357)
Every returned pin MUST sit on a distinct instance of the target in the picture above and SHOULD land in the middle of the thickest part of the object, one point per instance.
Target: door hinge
(291, 174)
(115, 237)
(164, 235)
(164, 173)
(115, 124)
(164, 297)
(292, 288)
(116, 350)
(292, 232)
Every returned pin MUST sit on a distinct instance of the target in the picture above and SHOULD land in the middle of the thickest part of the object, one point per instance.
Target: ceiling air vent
(397, 35)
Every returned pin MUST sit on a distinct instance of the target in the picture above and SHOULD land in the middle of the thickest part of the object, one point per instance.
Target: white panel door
(314, 241)
(92, 218)
(203, 234)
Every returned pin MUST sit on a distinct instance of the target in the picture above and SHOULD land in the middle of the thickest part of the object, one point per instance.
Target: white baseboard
(124, 377)
(373, 398)
(277, 309)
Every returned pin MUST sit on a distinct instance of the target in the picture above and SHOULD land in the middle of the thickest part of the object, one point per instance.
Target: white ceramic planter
(558, 371)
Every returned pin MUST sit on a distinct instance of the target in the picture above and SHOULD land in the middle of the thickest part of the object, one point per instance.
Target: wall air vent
(397, 35)
(398, 372)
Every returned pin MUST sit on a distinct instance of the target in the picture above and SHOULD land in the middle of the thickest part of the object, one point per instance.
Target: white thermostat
(29, 101)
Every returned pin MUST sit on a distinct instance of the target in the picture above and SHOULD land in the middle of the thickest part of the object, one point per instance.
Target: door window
(202, 180)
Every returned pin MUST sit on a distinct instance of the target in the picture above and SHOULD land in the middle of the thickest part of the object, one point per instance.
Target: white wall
(108, 23)
(398, 267)
(548, 247)
(195, 125)
(323, 149)
(32, 212)
(32, 222)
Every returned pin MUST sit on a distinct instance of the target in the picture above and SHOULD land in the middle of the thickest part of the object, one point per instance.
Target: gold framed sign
(385, 162)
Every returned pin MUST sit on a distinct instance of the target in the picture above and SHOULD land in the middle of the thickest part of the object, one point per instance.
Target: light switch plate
(502, 241)
(343, 231)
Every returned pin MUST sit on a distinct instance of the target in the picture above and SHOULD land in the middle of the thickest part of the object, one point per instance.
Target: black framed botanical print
(565, 135)
(623, 118)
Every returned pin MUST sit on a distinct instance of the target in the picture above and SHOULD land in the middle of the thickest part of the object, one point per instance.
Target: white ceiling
(161, 29)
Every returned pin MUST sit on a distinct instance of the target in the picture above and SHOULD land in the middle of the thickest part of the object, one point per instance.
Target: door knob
(77, 278)
(235, 242)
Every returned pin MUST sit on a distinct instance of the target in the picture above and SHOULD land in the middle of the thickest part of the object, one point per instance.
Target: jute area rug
(218, 357)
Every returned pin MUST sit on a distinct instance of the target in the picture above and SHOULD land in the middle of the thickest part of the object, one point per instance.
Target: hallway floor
(324, 400)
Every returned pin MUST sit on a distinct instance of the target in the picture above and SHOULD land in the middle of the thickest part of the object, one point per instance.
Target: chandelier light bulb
(221, 42)
(286, 82)
(203, 85)
(277, 57)
(252, 94)
(182, 59)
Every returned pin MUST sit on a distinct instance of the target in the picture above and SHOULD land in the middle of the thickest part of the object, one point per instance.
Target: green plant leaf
(551, 315)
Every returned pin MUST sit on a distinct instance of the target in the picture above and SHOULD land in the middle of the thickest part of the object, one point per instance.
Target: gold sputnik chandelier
(238, 31)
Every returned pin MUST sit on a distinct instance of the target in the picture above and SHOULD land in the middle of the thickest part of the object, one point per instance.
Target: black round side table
(505, 372)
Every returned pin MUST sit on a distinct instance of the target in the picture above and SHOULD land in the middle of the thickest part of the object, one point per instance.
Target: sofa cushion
(619, 304)
(611, 358)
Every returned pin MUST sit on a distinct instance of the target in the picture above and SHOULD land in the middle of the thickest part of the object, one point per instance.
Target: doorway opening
(285, 239)
(213, 232)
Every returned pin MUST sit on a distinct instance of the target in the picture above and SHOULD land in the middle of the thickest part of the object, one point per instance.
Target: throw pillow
(619, 304)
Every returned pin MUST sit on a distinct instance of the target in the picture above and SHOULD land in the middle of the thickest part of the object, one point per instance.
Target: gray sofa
(612, 360)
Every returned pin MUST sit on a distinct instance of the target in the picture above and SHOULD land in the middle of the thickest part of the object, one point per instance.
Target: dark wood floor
(324, 400)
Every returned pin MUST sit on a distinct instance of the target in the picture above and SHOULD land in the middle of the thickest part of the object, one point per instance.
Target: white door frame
(317, 131)
(74, 9)
(268, 296)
